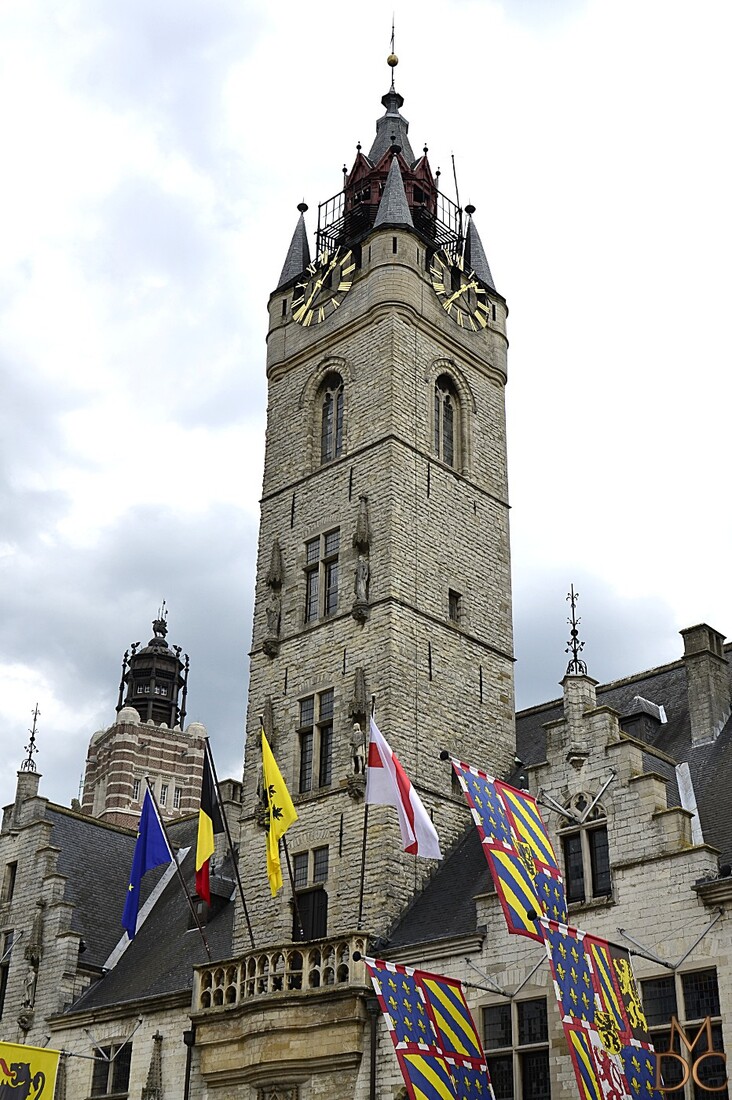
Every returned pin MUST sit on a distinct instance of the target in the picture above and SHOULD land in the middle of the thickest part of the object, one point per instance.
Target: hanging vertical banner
(517, 847)
(602, 1016)
(437, 1047)
(27, 1071)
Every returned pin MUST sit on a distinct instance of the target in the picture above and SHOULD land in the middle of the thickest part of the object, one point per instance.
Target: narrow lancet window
(446, 421)
(331, 433)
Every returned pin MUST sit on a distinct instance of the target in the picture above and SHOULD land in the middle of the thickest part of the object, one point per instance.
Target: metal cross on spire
(576, 667)
(31, 748)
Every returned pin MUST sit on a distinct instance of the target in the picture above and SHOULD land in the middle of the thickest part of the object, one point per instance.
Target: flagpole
(229, 841)
(292, 885)
(191, 906)
(365, 830)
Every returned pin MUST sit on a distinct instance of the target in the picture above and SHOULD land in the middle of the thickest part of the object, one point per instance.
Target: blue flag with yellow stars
(437, 1047)
(517, 847)
(602, 1016)
(151, 850)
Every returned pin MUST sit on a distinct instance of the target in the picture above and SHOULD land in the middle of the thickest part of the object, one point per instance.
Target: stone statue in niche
(360, 609)
(362, 535)
(358, 749)
(271, 644)
(273, 611)
(361, 586)
(29, 987)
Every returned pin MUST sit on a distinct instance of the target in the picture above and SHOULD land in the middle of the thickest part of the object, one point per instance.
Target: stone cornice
(390, 437)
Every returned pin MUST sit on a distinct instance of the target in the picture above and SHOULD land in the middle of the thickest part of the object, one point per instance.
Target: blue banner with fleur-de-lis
(602, 1016)
(435, 1039)
(518, 850)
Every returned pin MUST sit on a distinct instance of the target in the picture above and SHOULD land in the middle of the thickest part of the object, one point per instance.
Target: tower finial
(392, 60)
(576, 667)
(28, 765)
(160, 625)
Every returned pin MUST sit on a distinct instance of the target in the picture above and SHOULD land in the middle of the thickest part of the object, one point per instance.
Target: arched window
(585, 850)
(447, 421)
(331, 429)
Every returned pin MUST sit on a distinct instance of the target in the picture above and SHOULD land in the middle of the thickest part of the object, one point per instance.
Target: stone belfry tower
(383, 565)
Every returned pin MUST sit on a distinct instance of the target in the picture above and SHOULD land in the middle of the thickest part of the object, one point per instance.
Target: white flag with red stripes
(387, 784)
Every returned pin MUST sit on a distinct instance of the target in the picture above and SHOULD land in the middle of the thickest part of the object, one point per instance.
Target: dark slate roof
(161, 958)
(96, 860)
(298, 254)
(475, 257)
(391, 129)
(394, 208)
(446, 908)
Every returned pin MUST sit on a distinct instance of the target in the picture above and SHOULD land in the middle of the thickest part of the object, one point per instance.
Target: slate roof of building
(161, 958)
(446, 908)
(96, 859)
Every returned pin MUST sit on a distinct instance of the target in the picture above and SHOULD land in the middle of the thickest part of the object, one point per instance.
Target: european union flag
(151, 850)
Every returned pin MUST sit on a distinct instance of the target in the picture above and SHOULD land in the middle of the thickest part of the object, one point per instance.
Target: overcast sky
(154, 152)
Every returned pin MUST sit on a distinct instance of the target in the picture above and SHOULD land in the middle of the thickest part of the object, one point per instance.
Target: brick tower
(147, 739)
(383, 565)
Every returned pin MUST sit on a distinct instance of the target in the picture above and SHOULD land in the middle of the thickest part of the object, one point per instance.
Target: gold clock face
(327, 280)
(460, 293)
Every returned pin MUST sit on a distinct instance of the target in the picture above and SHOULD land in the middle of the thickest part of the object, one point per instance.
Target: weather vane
(576, 667)
(31, 747)
(392, 60)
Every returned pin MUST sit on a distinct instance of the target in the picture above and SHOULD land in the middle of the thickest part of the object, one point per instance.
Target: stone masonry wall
(438, 684)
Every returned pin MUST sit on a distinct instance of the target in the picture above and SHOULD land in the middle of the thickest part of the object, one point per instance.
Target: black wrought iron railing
(338, 225)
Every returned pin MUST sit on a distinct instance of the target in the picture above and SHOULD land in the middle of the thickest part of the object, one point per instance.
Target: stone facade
(437, 683)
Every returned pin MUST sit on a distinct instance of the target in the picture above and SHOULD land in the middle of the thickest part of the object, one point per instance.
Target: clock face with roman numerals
(460, 291)
(326, 281)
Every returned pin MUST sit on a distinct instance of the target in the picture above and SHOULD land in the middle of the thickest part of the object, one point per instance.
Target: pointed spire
(298, 254)
(475, 257)
(394, 208)
(392, 127)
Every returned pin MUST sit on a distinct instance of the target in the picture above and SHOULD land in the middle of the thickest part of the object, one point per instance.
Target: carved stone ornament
(276, 572)
(34, 948)
(153, 1089)
(25, 1019)
(360, 610)
(279, 1092)
(271, 644)
(356, 786)
(362, 534)
(359, 701)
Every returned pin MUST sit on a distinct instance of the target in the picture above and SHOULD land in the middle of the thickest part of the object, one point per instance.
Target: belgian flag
(210, 822)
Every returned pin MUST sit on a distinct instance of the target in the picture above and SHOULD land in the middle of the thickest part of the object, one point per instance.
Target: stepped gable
(446, 908)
